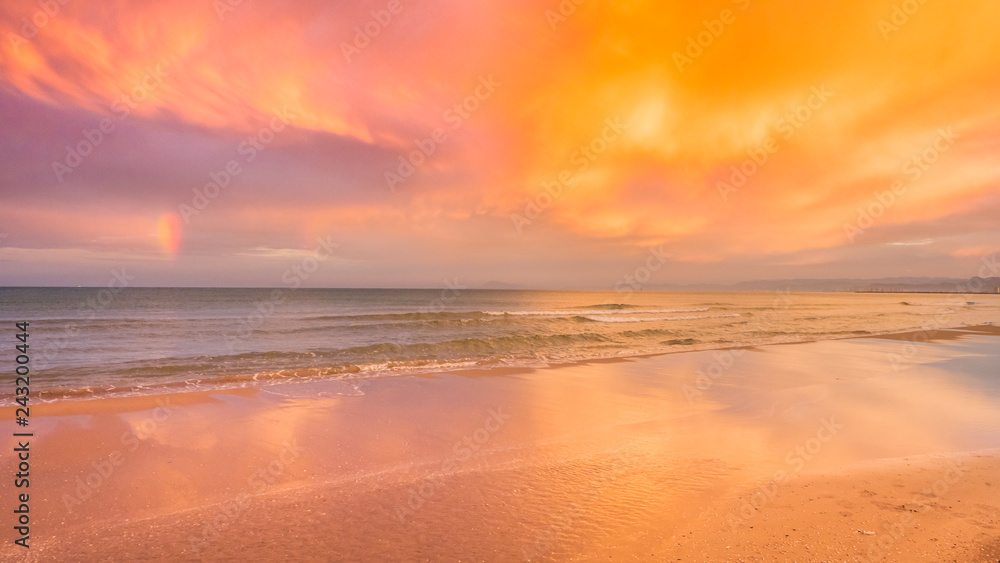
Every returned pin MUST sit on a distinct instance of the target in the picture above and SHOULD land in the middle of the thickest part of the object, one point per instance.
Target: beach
(838, 450)
(495, 281)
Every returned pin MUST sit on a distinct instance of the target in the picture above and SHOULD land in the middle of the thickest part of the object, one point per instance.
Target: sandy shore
(849, 450)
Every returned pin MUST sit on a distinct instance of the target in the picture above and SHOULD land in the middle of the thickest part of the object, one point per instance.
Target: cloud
(814, 110)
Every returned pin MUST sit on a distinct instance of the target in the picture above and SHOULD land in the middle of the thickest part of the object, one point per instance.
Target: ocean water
(87, 342)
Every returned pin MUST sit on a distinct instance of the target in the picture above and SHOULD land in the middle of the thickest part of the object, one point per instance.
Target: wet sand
(848, 450)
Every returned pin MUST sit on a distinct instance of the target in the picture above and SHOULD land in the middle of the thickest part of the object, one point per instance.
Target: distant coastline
(884, 291)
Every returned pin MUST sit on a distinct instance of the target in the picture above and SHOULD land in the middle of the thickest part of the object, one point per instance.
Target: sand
(849, 450)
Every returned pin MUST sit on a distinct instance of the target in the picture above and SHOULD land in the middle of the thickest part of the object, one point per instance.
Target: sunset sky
(637, 115)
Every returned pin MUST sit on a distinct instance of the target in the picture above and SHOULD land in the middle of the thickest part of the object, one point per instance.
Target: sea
(100, 342)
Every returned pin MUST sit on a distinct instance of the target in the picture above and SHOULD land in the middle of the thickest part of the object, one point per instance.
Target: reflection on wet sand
(596, 460)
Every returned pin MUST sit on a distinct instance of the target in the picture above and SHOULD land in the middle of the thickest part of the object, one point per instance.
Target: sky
(542, 143)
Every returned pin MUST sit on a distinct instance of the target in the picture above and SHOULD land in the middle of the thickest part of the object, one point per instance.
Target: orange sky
(637, 114)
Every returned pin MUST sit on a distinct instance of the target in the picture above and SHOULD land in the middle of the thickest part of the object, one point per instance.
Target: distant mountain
(973, 285)
(880, 285)
(900, 284)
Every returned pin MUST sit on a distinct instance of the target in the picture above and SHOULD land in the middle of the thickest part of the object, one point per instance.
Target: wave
(608, 306)
(647, 332)
(609, 309)
(594, 312)
(379, 318)
(362, 362)
(602, 319)
(492, 345)
(417, 316)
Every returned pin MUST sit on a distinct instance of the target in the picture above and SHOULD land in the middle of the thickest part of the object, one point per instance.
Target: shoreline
(178, 387)
(607, 457)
